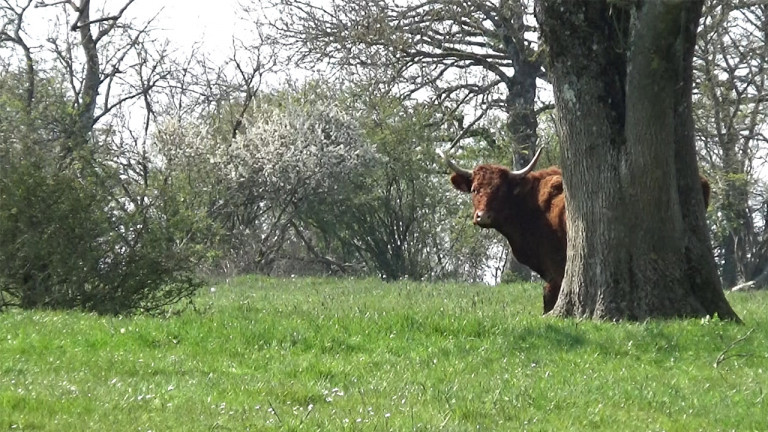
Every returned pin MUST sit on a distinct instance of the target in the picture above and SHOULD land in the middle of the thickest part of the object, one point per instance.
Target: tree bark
(522, 122)
(701, 268)
(637, 238)
(91, 79)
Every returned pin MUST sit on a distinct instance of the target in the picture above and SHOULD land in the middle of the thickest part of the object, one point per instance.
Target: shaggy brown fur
(530, 213)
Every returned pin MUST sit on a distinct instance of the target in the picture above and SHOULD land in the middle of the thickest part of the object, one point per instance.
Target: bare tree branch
(439, 50)
(16, 38)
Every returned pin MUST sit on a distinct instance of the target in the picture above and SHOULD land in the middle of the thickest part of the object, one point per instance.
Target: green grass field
(328, 354)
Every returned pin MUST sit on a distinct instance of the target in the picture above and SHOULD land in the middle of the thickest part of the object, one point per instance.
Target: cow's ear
(461, 182)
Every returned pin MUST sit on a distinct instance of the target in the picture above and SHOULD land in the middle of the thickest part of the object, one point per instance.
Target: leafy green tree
(400, 218)
(89, 219)
(70, 242)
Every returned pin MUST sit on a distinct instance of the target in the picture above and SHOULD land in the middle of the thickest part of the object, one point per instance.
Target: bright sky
(185, 22)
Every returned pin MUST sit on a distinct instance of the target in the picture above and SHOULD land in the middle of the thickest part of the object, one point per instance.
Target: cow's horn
(455, 168)
(524, 172)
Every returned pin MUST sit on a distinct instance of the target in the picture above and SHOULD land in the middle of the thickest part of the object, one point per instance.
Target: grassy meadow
(362, 355)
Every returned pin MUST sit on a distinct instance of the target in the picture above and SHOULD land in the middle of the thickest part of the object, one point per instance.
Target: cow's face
(489, 186)
(492, 187)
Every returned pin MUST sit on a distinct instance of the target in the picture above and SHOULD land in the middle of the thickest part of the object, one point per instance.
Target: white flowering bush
(299, 151)
(290, 160)
(307, 189)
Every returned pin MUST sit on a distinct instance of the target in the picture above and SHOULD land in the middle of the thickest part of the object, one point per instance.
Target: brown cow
(528, 208)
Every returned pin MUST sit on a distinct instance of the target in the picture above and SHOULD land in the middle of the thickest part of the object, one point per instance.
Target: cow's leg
(551, 292)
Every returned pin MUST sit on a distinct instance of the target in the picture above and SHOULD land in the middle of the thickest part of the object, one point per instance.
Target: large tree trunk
(522, 122)
(701, 269)
(522, 119)
(637, 238)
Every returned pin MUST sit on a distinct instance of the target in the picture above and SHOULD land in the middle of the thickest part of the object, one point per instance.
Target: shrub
(82, 235)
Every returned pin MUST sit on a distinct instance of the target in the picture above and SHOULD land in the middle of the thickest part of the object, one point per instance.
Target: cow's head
(491, 187)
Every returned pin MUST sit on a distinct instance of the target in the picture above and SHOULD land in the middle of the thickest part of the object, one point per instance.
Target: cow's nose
(482, 218)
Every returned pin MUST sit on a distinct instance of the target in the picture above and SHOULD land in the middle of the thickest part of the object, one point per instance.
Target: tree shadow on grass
(560, 336)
